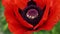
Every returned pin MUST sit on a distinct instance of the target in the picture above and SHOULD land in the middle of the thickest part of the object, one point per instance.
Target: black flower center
(32, 14)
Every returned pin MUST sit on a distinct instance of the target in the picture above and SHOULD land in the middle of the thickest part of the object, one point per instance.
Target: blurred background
(4, 25)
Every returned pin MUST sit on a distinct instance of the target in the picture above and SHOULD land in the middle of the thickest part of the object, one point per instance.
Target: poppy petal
(11, 19)
(54, 16)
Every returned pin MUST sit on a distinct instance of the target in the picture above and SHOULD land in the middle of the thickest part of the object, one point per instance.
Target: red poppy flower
(25, 16)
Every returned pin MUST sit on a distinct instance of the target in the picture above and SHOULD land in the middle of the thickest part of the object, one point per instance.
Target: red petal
(21, 32)
(13, 24)
(11, 18)
(21, 3)
(45, 16)
(40, 3)
(53, 17)
(21, 20)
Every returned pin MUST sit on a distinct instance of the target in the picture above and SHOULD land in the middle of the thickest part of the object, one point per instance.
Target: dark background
(4, 25)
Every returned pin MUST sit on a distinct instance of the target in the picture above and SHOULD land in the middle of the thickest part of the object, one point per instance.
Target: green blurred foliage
(4, 25)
